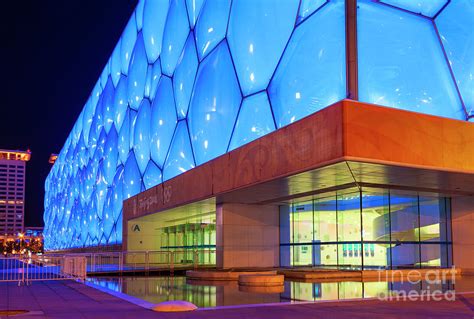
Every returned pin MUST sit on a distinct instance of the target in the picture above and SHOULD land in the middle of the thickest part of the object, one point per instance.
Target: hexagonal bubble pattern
(108, 104)
(307, 7)
(129, 36)
(142, 125)
(456, 26)
(131, 177)
(425, 7)
(407, 68)
(120, 102)
(163, 121)
(255, 120)
(183, 79)
(180, 157)
(141, 138)
(211, 26)
(137, 74)
(176, 31)
(116, 63)
(152, 176)
(194, 7)
(257, 38)
(214, 104)
(312, 72)
(154, 19)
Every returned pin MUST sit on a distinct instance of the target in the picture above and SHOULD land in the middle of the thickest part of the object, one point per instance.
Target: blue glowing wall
(190, 80)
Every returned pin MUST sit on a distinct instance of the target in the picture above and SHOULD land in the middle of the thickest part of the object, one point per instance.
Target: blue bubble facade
(190, 80)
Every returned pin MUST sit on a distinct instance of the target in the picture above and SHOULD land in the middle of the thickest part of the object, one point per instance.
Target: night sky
(52, 53)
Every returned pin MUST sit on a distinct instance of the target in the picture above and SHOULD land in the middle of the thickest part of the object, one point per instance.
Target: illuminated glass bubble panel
(255, 120)
(425, 7)
(214, 105)
(401, 63)
(211, 25)
(456, 28)
(312, 72)
(257, 38)
(189, 80)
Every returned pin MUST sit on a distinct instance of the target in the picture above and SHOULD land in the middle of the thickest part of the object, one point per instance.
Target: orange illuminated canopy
(15, 155)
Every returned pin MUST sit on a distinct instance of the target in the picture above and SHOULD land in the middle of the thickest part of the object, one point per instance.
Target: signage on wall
(135, 228)
(167, 193)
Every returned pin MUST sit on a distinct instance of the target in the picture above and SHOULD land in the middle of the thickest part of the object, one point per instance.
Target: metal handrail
(147, 260)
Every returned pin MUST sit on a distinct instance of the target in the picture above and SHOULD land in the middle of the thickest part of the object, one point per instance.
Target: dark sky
(52, 53)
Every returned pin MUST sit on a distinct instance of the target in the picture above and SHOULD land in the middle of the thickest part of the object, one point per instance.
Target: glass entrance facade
(367, 229)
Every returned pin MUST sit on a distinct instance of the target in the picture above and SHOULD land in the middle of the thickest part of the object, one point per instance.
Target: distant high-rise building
(12, 190)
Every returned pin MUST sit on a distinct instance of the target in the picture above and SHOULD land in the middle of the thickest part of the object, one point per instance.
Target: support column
(247, 235)
(462, 212)
(351, 50)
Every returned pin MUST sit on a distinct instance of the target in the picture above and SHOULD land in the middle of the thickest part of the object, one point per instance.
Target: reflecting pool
(213, 294)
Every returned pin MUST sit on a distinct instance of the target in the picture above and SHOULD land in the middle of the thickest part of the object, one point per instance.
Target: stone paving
(69, 300)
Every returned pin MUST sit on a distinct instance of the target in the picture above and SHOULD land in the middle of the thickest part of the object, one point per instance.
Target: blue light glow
(425, 7)
(170, 97)
(312, 73)
(407, 68)
(255, 120)
(257, 38)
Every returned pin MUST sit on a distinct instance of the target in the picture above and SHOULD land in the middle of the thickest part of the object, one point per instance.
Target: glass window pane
(350, 255)
(376, 255)
(301, 255)
(303, 222)
(432, 219)
(325, 255)
(433, 255)
(302, 218)
(405, 255)
(404, 217)
(348, 217)
(375, 216)
(325, 222)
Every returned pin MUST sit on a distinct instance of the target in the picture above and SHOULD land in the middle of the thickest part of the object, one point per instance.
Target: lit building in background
(52, 158)
(12, 191)
(337, 137)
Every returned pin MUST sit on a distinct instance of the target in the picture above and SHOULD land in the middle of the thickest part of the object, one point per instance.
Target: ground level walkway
(70, 300)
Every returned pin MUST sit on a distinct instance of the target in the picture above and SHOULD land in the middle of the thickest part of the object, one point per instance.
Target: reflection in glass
(326, 232)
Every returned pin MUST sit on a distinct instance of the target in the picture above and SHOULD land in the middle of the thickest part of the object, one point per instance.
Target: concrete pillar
(462, 211)
(247, 235)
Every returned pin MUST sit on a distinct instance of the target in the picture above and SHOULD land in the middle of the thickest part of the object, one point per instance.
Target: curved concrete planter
(261, 280)
(174, 306)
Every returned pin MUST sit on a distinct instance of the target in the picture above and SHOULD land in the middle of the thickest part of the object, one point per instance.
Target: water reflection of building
(158, 289)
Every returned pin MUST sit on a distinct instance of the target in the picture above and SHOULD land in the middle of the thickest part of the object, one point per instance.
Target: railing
(145, 261)
(38, 268)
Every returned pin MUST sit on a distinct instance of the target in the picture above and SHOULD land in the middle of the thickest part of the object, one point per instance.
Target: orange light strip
(11, 202)
(53, 158)
(15, 155)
